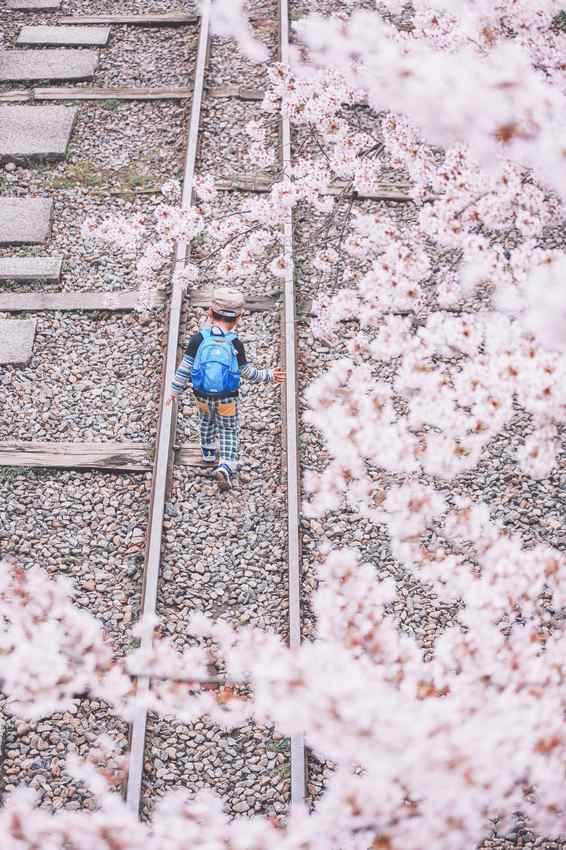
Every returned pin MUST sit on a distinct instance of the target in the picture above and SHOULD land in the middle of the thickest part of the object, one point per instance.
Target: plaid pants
(220, 418)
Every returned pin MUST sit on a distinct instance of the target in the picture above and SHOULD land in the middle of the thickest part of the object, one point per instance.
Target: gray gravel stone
(138, 7)
(82, 368)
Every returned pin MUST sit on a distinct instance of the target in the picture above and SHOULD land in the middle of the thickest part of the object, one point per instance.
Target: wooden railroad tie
(252, 303)
(95, 93)
(237, 92)
(16, 302)
(120, 457)
(117, 93)
(386, 192)
(150, 19)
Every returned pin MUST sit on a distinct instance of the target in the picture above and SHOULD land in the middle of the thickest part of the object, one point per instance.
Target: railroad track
(298, 756)
(166, 437)
(165, 440)
(126, 459)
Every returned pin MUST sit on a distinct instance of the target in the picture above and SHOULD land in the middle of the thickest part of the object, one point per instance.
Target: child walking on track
(214, 362)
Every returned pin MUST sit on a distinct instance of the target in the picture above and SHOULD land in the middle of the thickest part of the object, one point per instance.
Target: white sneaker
(223, 477)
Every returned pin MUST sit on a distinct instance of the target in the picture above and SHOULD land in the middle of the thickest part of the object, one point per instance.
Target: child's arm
(262, 376)
(256, 376)
(253, 375)
(183, 374)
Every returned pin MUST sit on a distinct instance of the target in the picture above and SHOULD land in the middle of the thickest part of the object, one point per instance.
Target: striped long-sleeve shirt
(182, 377)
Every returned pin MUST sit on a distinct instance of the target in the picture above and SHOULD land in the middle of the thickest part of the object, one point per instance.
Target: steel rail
(165, 439)
(298, 771)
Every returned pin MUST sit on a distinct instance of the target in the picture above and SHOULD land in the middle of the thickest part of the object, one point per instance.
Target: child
(214, 361)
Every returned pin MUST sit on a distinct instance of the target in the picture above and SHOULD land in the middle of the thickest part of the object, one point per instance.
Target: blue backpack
(215, 370)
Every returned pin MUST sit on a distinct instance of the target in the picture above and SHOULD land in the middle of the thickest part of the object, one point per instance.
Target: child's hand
(170, 399)
(279, 375)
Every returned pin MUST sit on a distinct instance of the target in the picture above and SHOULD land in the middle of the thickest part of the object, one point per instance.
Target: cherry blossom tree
(463, 100)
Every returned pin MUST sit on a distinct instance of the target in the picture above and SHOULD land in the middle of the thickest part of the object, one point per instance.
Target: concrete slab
(34, 5)
(34, 65)
(24, 221)
(71, 36)
(30, 268)
(35, 132)
(16, 341)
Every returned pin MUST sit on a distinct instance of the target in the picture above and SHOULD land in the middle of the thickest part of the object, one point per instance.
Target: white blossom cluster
(428, 739)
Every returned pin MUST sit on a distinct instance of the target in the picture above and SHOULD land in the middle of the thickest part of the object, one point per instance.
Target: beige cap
(227, 302)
